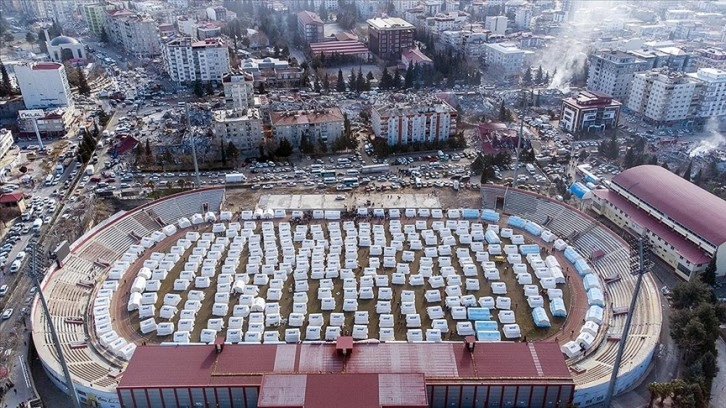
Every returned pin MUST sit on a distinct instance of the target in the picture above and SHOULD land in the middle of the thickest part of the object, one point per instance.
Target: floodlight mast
(49, 322)
(194, 147)
(641, 270)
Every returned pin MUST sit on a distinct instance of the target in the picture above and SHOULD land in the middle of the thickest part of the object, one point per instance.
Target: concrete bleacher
(593, 372)
(91, 366)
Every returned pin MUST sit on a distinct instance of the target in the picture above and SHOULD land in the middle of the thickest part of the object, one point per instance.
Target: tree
(527, 78)
(232, 152)
(539, 77)
(709, 274)
(261, 88)
(351, 80)
(198, 89)
(386, 81)
(326, 82)
(284, 149)
(210, 88)
(323, 11)
(83, 87)
(306, 145)
(31, 38)
(149, 153)
(340, 85)
(477, 165)
(487, 172)
(396, 79)
(502, 112)
(6, 88)
(41, 41)
(223, 152)
(104, 35)
(688, 295)
(687, 172)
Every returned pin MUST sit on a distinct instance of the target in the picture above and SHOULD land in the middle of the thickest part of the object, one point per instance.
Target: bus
(351, 181)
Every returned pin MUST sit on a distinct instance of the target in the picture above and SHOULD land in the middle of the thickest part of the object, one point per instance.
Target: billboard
(31, 114)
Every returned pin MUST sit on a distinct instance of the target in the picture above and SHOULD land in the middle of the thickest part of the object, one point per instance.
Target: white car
(7, 313)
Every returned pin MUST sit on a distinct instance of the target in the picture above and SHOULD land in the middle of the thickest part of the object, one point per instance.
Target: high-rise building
(387, 37)
(612, 71)
(242, 127)
(496, 24)
(310, 27)
(662, 96)
(318, 125)
(506, 58)
(186, 60)
(95, 15)
(523, 18)
(238, 90)
(44, 85)
(138, 34)
(416, 120)
(6, 141)
(712, 101)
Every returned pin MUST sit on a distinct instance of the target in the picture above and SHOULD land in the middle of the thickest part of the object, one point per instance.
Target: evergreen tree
(698, 179)
(317, 86)
(360, 82)
(261, 88)
(83, 87)
(6, 87)
(351, 80)
(687, 172)
(340, 85)
(326, 82)
(527, 78)
(369, 76)
(41, 41)
(408, 82)
(198, 89)
(232, 152)
(546, 80)
(284, 149)
(386, 80)
(502, 112)
(396, 79)
(210, 88)
(224, 152)
(539, 77)
(709, 274)
(323, 11)
(30, 38)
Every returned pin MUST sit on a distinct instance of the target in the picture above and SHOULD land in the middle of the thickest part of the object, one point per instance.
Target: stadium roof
(201, 365)
(682, 201)
(348, 47)
(685, 248)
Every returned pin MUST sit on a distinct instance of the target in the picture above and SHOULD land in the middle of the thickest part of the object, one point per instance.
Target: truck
(375, 168)
(232, 178)
(89, 170)
(530, 168)
(37, 224)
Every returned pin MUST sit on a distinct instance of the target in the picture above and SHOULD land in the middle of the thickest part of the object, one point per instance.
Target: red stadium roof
(343, 390)
(685, 248)
(201, 365)
(350, 47)
(685, 203)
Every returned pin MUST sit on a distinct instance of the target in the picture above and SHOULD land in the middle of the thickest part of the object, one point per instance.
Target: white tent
(464, 329)
(134, 302)
(506, 316)
(164, 329)
(512, 331)
(487, 302)
(499, 288)
(332, 333)
(571, 349)
(147, 326)
(585, 340)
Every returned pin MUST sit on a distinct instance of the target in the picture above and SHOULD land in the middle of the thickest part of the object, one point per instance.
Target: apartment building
(310, 27)
(6, 141)
(506, 58)
(94, 14)
(272, 72)
(523, 18)
(186, 60)
(496, 24)
(387, 37)
(663, 97)
(589, 111)
(322, 125)
(138, 34)
(611, 73)
(673, 58)
(242, 127)
(44, 85)
(413, 120)
(712, 102)
(238, 90)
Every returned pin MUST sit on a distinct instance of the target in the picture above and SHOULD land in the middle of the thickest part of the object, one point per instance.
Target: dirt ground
(246, 199)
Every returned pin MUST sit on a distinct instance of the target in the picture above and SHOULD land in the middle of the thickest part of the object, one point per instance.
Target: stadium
(182, 302)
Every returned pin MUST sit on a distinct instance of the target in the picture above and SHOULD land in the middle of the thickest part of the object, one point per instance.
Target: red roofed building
(414, 56)
(372, 375)
(685, 224)
(589, 111)
(351, 47)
